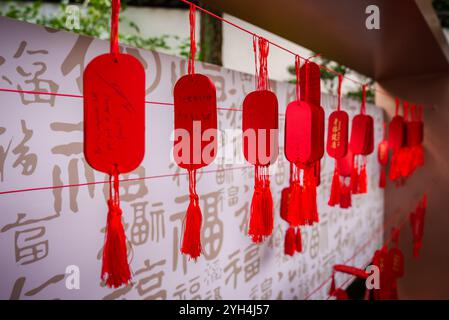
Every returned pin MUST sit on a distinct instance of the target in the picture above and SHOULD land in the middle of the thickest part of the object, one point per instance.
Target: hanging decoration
(114, 138)
(361, 145)
(337, 144)
(339, 293)
(382, 157)
(304, 147)
(417, 224)
(260, 142)
(195, 111)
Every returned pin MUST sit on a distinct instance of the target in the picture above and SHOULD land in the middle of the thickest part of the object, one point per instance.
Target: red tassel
(115, 269)
(298, 240)
(363, 188)
(334, 197)
(289, 244)
(383, 177)
(333, 286)
(355, 178)
(191, 241)
(261, 216)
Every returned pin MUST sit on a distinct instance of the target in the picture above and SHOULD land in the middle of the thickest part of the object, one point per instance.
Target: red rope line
(277, 45)
(122, 180)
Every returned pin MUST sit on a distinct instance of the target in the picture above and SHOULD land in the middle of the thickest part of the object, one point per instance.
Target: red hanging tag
(337, 132)
(260, 143)
(290, 242)
(195, 142)
(114, 137)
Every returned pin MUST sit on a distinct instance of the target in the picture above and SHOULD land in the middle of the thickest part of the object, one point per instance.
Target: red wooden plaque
(346, 164)
(114, 113)
(259, 125)
(337, 134)
(196, 115)
(396, 133)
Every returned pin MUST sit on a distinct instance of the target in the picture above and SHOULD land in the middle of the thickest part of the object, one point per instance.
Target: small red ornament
(195, 120)
(114, 138)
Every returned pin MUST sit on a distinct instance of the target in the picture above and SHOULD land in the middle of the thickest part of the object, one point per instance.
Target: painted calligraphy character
(251, 261)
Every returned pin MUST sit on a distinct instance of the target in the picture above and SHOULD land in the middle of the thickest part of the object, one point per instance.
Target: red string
(192, 17)
(340, 79)
(114, 28)
(297, 71)
(397, 106)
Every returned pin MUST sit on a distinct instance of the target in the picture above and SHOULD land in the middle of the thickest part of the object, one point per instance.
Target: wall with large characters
(53, 208)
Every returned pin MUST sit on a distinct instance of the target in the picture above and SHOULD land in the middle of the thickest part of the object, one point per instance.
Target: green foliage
(94, 21)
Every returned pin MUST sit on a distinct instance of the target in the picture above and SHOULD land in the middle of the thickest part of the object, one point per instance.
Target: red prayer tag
(346, 164)
(361, 134)
(260, 127)
(114, 113)
(337, 134)
(285, 199)
(196, 120)
(396, 133)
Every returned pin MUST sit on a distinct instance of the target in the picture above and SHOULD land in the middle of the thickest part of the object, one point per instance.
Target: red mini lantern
(361, 144)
